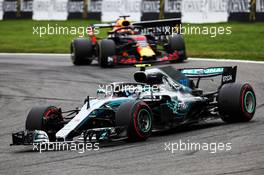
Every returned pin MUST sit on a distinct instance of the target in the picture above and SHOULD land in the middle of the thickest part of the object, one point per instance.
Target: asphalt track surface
(27, 81)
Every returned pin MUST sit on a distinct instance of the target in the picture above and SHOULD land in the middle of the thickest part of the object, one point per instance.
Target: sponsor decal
(95, 6)
(75, 6)
(227, 78)
(213, 70)
(10, 6)
(127, 6)
(112, 9)
(194, 5)
(179, 108)
(13, 9)
(260, 6)
(173, 6)
(236, 6)
(200, 11)
(218, 6)
(203, 71)
(150, 6)
(50, 9)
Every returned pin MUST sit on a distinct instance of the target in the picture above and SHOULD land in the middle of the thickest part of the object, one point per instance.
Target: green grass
(17, 36)
(245, 42)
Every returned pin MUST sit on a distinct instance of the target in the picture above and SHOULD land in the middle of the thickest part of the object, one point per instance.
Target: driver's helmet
(120, 23)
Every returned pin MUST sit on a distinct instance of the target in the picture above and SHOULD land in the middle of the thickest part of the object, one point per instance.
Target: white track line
(193, 59)
(226, 60)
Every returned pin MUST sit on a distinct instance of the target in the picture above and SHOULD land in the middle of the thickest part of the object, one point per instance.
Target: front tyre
(107, 48)
(236, 102)
(137, 117)
(45, 118)
(81, 51)
(176, 43)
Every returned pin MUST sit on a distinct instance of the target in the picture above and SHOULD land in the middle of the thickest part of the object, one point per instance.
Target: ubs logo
(227, 78)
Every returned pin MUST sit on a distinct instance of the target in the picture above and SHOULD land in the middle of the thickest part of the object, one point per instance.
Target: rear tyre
(107, 48)
(176, 43)
(81, 51)
(45, 118)
(137, 117)
(236, 102)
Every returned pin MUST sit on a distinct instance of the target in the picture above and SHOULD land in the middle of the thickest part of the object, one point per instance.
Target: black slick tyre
(81, 51)
(45, 118)
(176, 43)
(236, 102)
(136, 116)
(106, 48)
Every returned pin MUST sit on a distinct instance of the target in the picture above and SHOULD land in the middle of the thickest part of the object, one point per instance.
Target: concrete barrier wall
(191, 11)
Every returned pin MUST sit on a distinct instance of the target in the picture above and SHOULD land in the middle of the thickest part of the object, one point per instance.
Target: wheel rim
(249, 102)
(144, 120)
(48, 114)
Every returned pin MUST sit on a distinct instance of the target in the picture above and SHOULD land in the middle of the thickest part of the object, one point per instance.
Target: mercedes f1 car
(160, 99)
(131, 43)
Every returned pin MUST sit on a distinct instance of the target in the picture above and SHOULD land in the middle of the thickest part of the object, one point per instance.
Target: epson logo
(227, 78)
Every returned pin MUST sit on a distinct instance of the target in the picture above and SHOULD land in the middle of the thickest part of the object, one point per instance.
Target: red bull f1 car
(131, 43)
(160, 99)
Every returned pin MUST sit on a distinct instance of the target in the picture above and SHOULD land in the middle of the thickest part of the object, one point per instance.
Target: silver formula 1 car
(160, 99)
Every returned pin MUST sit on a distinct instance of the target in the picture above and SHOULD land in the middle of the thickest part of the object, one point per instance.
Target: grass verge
(245, 42)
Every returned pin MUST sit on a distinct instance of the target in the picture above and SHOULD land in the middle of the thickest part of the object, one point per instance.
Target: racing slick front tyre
(176, 43)
(45, 118)
(106, 48)
(81, 51)
(136, 116)
(236, 102)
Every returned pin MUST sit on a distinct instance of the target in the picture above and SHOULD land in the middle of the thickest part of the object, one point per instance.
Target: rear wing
(157, 27)
(228, 73)
(160, 27)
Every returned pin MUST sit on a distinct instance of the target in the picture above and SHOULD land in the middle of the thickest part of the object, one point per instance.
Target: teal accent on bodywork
(113, 104)
(180, 109)
(186, 89)
(215, 70)
(104, 135)
(118, 102)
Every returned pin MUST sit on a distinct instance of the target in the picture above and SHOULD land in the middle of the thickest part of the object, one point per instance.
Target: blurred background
(245, 17)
